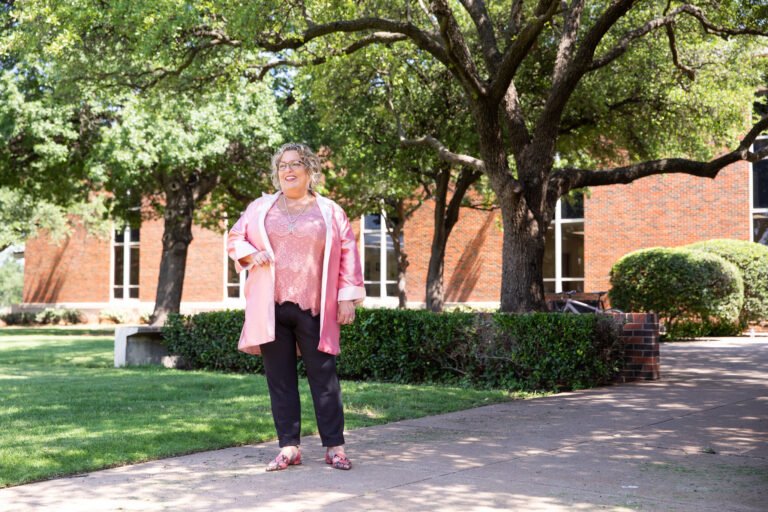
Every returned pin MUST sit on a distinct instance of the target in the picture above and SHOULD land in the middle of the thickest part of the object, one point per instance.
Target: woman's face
(293, 174)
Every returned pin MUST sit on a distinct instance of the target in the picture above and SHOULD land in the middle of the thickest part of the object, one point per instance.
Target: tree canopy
(559, 95)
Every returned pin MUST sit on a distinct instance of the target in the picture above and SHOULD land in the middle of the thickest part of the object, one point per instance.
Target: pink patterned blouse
(298, 256)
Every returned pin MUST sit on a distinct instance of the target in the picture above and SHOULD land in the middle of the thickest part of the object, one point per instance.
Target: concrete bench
(142, 344)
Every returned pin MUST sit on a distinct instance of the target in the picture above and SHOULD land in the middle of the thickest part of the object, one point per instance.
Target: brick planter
(640, 337)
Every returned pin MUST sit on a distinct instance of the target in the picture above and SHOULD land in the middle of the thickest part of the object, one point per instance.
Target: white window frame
(383, 237)
(558, 222)
(127, 244)
(752, 209)
(243, 276)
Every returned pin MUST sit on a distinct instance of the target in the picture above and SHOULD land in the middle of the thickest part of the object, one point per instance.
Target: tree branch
(690, 73)
(568, 179)
(375, 38)
(518, 50)
(588, 121)
(428, 141)
(623, 45)
(711, 28)
(515, 121)
(307, 18)
(429, 15)
(462, 64)
(667, 21)
(443, 152)
(515, 20)
(479, 14)
(568, 39)
(548, 124)
(466, 178)
(423, 40)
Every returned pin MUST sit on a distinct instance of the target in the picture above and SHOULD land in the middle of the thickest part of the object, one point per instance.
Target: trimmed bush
(752, 261)
(19, 318)
(679, 284)
(535, 351)
(209, 341)
(113, 316)
(49, 316)
(560, 351)
(53, 316)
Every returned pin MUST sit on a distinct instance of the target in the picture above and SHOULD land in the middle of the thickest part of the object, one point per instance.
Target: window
(378, 257)
(235, 280)
(564, 252)
(760, 196)
(125, 282)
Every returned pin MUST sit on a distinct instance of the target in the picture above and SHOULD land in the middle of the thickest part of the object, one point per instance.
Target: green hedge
(209, 341)
(684, 287)
(49, 316)
(539, 351)
(752, 261)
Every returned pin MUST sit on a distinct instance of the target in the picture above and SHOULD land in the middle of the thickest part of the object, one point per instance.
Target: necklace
(291, 219)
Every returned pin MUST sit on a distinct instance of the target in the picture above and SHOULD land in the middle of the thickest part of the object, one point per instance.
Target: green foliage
(557, 351)
(113, 316)
(752, 261)
(19, 318)
(404, 345)
(640, 81)
(216, 142)
(11, 282)
(49, 316)
(678, 284)
(40, 142)
(685, 329)
(22, 216)
(57, 316)
(529, 352)
(209, 341)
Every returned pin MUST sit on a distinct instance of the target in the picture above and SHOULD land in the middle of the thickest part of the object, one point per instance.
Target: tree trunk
(394, 229)
(177, 235)
(435, 296)
(435, 271)
(445, 218)
(522, 267)
(402, 265)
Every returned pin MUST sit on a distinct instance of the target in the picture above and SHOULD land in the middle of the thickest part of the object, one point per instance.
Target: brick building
(585, 239)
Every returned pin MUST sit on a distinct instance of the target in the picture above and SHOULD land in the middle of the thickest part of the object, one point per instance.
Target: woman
(305, 280)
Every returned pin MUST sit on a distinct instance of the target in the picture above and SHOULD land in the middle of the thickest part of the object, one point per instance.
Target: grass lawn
(64, 409)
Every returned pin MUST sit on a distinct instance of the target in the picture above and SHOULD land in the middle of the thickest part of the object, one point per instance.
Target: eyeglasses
(295, 165)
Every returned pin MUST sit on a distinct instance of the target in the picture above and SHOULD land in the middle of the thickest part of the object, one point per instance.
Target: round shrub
(678, 284)
(752, 261)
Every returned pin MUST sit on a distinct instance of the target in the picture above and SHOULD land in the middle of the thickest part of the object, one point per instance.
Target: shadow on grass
(65, 409)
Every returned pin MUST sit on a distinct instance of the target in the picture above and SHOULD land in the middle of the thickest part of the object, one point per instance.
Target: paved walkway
(695, 441)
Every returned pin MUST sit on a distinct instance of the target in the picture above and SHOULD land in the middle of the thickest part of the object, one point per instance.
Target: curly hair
(311, 162)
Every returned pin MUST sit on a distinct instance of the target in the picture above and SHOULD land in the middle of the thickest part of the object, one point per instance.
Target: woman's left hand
(346, 312)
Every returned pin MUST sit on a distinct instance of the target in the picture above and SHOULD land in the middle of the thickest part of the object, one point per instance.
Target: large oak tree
(562, 94)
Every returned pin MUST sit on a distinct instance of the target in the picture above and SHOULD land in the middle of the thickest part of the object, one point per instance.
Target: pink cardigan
(342, 273)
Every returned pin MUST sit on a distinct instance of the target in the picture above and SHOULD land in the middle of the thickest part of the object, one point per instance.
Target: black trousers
(296, 326)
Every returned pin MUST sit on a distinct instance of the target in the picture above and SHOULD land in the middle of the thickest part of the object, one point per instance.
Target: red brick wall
(472, 257)
(74, 270)
(204, 277)
(669, 210)
(663, 210)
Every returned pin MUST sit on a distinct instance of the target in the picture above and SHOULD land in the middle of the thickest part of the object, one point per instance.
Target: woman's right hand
(259, 258)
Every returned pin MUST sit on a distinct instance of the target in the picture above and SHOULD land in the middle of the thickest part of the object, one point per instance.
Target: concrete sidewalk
(695, 441)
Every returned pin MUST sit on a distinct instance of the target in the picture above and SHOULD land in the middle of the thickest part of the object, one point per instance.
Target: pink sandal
(338, 461)
(281, 462)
